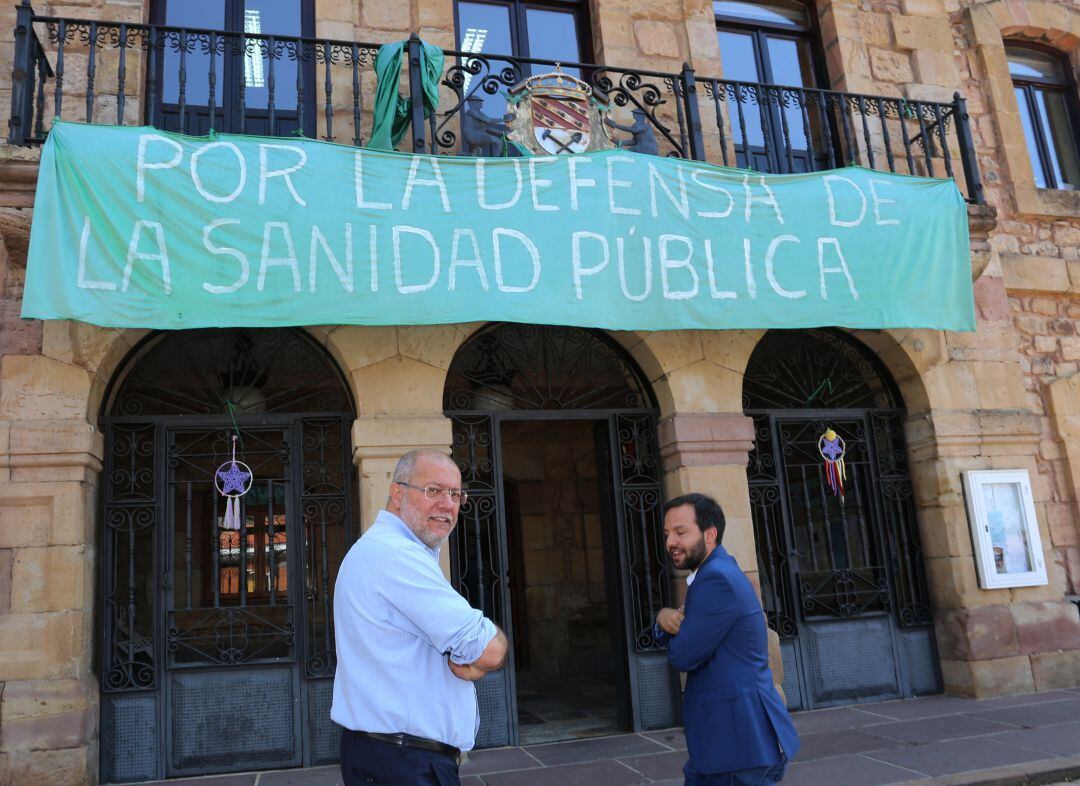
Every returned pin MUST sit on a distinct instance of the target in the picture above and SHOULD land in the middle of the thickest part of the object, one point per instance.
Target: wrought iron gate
(842, 580)
(517, 372)
(217, 645)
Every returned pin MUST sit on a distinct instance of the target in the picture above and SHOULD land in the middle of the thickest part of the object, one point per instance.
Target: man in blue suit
(738, 731)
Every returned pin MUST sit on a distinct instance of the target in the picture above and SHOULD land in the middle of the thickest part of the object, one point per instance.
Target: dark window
(542, 31)
(1046, 97)
(242, 76)
(770, 43)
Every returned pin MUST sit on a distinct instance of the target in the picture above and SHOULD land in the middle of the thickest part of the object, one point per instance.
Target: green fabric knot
(392, 116)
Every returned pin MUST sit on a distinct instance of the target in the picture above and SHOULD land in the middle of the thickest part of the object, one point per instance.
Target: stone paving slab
(947, 758)
(933, 741)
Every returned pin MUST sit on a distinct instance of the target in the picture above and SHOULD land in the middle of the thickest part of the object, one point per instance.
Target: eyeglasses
(457, 496)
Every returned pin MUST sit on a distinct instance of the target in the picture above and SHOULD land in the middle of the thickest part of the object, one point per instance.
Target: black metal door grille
(217, 647)
(842, 581)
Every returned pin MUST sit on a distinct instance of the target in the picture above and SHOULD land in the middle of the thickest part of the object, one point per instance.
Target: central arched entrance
(842, 578)
(216, 644)
(560, 543)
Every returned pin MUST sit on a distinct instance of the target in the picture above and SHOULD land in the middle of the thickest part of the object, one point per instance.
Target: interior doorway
(561, 593)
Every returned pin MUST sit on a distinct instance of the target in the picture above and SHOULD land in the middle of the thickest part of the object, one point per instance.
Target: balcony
(194, 80)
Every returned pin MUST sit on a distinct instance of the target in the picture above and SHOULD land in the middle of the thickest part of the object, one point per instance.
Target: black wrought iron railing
(194, 80)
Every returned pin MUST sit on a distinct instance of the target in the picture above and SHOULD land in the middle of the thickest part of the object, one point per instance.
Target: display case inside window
(1004, 529)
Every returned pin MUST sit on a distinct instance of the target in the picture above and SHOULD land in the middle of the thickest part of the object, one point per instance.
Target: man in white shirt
(408, 646)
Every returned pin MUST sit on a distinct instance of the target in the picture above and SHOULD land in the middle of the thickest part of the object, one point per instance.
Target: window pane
(1032, 63)
(553, 35)
(1029, 137)
(484, 28)
(205, 14)
(779, 12)
(1060, 140)
(270, 17)
(790, 63)
(737, 59)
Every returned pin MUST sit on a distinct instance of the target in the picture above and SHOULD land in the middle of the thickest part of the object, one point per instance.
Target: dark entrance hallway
(564, 645)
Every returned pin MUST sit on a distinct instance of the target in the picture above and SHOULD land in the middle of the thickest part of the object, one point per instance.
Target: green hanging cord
(236, 428)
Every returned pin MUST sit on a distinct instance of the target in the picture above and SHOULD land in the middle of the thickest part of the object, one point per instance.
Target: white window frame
(979, 518)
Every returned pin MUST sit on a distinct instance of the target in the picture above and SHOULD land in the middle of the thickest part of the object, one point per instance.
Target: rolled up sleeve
(414, 585)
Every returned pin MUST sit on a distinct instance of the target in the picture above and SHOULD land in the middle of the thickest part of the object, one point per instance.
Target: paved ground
(935, 741)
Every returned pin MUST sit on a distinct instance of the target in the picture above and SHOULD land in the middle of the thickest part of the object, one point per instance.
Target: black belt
(403, 740)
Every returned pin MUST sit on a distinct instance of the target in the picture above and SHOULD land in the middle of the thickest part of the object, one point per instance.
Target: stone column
(378, 443)
(49, 706)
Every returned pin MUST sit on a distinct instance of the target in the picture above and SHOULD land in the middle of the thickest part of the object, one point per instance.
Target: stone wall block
(1035, 273)
(944, 532)
(954, 584)
(68, 766)
(1063, 522)
(933, 67)
(1047, 626)
(1056, 670)
(888, 66)
(986, 678)
(35, 388)
(921, 32)
(356, 346)
(659, 39)
(50, 579)
(399, 386)
(984, 633)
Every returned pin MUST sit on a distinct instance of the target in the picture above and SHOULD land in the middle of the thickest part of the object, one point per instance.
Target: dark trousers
(365, 761)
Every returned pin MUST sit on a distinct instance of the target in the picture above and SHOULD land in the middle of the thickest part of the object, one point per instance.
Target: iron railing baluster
(902, 106)
(301, 58)
(781, 106)
(151, 77)
(808, 134)
(866, 131)
(830, 141)
(357, 138)
(748, 158)
(924, 139)
(416, 96)
(121, 74)
(271, 102)
(91, 71)
(718, 108)
(241, 83)
(182, 81)
(940, 123)
(761, 93)
(882, 106)
(58, 91)
(211, 81)
(849, 134)
(328, 89)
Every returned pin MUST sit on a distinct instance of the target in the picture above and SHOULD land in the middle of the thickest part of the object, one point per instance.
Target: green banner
(134, 227)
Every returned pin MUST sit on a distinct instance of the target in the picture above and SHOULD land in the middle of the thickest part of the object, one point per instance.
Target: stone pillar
(378, 443)
(48, 692)
(707, 453)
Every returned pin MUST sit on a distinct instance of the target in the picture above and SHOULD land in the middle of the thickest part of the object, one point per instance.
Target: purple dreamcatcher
(233, 480)
(832, 448)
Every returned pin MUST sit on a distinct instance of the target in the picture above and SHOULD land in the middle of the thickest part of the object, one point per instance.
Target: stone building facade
(1006, 396)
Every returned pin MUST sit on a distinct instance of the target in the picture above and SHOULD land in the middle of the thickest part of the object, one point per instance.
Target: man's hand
(466, 671)
(670, 620)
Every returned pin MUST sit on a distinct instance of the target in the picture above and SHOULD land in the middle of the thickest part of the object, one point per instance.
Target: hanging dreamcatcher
(832, 448)
(233, 480)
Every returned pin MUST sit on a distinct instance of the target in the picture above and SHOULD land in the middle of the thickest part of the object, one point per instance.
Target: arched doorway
(842, 580)
(216, 645)
(560, 543)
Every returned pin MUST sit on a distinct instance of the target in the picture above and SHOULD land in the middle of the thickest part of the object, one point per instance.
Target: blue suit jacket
(734, 716)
